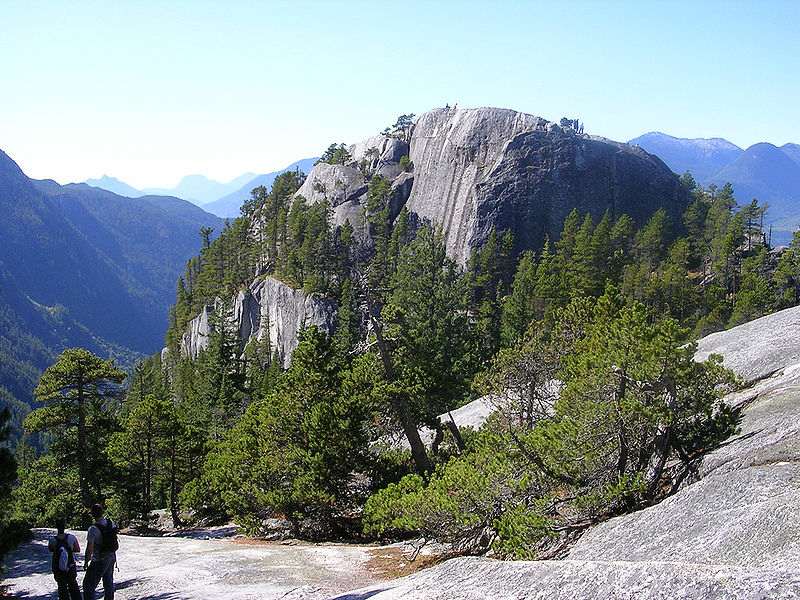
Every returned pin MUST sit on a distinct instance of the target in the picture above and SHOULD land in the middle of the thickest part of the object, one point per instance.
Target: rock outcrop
(267, 310)
(195, 339)
(734, 533)
(343, 186)
(478, 169)
(380, 155)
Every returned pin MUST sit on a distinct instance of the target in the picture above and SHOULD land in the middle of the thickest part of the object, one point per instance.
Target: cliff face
(473, 170)
(478, 169)
(267, 309)
(734, 533)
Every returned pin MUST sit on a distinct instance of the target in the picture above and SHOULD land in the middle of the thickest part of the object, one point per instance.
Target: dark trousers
(68, 586)
(103, 568)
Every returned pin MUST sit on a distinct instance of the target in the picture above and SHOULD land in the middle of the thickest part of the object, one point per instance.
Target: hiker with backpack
(64, 547)
(101, 547)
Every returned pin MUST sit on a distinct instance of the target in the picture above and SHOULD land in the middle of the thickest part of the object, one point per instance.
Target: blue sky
(151, 91)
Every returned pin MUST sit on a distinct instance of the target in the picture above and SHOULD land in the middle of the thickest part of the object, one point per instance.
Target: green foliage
(756, 295)
(581, 346)
(553, 462)
(79, 392)
(402, 128)
(523, 305)
(425, 316)
(489, 273)
(9, 529)
(47, 490)
(143, 455)
(336, 154)
(293, 453)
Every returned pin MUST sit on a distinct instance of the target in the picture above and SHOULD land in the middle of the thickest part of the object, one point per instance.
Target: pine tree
(787, 275)
(756, 295)
(582, 273)
(8, 464)
(651, 241)
(548, 280)
(143, 454)
(622, 236)
(522, 306)
(602, 252)
(78, 391)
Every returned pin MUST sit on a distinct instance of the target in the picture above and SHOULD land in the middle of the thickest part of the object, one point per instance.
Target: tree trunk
(82, 449)
(402, 408)
(173, 485)
(148, 475)
(622, 462)
(662, 444)
(453, 427)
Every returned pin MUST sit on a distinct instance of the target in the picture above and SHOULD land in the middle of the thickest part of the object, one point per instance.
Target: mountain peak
(9, 167)
(112, 184)
(703, 157)
(767, 173)
(792, 151)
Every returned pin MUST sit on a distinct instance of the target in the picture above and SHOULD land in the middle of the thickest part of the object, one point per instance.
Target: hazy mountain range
(197, 189)
(221, 199)
(81, 266)
(228, 205)
(763, 171)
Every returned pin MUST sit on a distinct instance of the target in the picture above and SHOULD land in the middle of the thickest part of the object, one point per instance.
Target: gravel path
(181, 568)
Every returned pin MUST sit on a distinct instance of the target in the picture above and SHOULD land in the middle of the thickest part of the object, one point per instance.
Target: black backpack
(109, 542)
(56, 562)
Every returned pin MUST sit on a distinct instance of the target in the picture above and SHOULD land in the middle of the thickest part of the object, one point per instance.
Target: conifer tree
(78, 391)
(581, 270)
(520, 306)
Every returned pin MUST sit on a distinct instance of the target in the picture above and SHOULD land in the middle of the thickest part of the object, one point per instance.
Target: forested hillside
(84, 267)
(582, 346)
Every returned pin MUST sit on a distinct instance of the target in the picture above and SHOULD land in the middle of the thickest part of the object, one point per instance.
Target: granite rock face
(195, 339)
(478, 169)
(343, 186)
(380, 155)
(480, 579)
(758, 348)
(734, 533)
(475, 170)
(267, 309)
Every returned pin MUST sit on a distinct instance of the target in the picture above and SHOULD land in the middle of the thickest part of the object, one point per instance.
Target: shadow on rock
(360, 595)
(211, 533)
(33, 597)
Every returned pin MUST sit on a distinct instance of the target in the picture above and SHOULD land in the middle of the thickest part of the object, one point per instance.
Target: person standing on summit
(101, 548)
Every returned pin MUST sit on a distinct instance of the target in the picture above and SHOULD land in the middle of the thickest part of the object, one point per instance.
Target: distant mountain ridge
(112, 184)
(763, 171)
(199, 189)
(81, 266)
(228, 206)
(703, 157)
(792, 151)
(221, 199)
